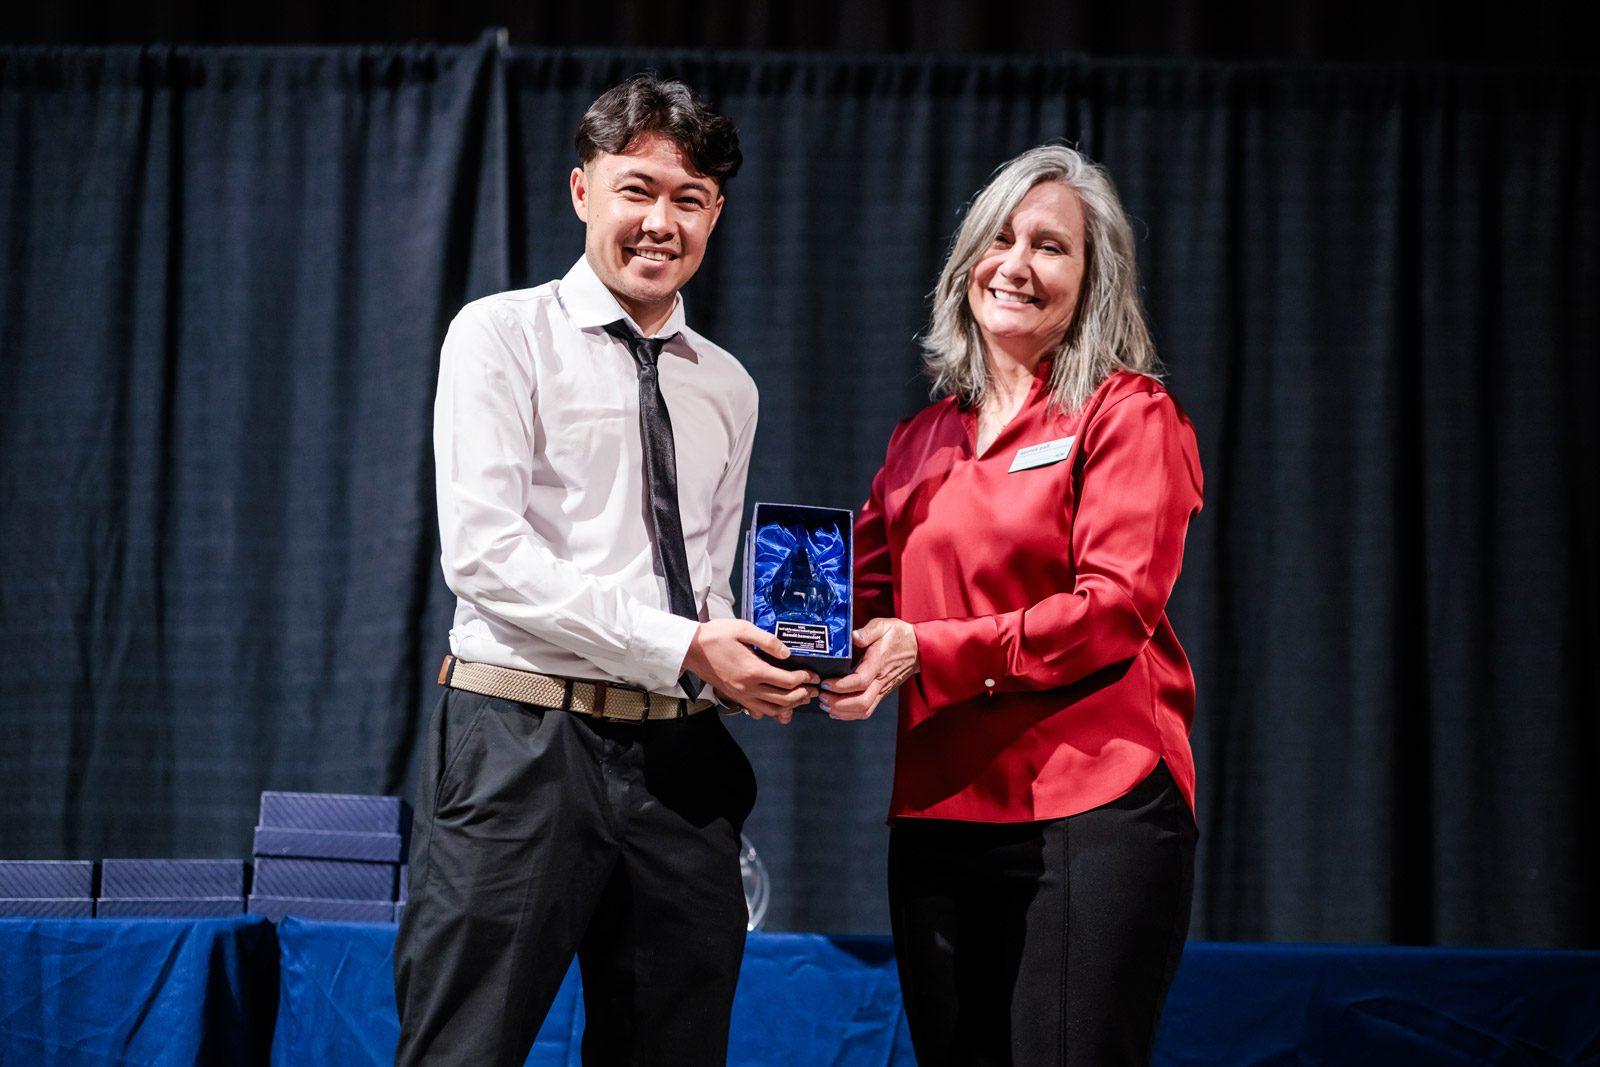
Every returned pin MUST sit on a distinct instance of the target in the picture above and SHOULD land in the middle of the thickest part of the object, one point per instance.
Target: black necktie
(661, 478)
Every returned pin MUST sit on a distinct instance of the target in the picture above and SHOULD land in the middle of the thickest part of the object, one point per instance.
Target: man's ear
(580, 193)
(716, 213)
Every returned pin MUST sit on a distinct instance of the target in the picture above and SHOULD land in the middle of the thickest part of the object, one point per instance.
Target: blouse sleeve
(874, 563)
(1141, 487)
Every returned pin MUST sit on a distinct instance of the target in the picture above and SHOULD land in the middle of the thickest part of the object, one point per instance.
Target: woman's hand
(890, 659)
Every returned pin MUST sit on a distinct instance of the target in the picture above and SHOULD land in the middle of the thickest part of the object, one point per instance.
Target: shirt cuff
(958, 658)
(660, 641)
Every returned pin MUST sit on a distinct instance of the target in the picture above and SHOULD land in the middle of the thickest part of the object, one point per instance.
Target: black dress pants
(540, 834)
(1045, 942)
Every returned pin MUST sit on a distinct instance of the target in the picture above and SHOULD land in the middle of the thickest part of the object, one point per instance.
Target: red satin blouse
(1037, 583)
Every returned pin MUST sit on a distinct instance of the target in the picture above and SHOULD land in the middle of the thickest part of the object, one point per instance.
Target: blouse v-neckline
(970, 416)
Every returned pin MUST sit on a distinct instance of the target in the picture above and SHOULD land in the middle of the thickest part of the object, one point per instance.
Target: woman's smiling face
(1023, 291)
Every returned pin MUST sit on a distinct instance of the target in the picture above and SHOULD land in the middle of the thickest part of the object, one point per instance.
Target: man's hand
(890, 659)
(720, 655)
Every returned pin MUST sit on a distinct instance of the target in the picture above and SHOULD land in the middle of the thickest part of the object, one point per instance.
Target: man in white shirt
(581, 794)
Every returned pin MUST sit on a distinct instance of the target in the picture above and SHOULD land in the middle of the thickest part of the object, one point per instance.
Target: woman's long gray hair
(1107, 332)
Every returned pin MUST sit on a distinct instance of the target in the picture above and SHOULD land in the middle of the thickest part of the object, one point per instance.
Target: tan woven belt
(601, 700)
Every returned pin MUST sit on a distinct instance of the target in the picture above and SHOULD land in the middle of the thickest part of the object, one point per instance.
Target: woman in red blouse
(1013, 565)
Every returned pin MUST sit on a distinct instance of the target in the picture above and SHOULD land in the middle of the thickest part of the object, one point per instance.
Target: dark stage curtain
(227, 273)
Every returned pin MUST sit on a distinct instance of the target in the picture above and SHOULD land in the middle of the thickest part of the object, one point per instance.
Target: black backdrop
(1303, 30)
(227, 271)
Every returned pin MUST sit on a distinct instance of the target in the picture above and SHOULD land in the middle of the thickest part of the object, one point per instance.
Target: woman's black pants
(1044, 942)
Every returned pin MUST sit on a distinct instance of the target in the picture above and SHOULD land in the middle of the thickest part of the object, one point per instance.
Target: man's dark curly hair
(647, 104)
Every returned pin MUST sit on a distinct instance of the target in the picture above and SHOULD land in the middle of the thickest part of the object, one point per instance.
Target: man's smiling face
(648, 220)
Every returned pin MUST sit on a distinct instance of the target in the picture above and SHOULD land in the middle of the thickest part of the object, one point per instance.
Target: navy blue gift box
(348, 812)
(171, 878)
(62, 889)
(326, 879)
(168, 907)
(329, 844)
(142, 888)
(46, 907)
(59, 879)
(350, 911)
(797, 583)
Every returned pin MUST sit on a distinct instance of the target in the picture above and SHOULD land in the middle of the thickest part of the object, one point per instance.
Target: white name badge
(1041, 455)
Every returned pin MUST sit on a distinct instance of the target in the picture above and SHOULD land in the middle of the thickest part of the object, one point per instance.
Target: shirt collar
(590, 304)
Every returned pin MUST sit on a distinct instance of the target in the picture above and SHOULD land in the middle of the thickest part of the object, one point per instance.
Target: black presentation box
(797, 583)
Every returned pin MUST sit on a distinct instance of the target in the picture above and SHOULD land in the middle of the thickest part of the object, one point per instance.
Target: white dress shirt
(542, 511)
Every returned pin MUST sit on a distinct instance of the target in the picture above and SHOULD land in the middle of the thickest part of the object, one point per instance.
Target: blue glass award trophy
(797, 565)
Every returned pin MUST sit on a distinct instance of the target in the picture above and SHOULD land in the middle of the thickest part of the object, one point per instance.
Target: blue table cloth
(150, 991)
(802, 999)
(236, 991)
(1260, 1003)
(809, 999)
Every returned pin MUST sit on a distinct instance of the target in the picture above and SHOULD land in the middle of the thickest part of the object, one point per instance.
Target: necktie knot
(646, 350)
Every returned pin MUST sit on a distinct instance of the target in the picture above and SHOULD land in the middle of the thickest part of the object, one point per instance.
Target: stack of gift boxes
(317, 855)
(328, 856)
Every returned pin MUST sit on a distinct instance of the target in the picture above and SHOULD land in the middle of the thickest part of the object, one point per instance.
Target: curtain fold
(227, 273)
